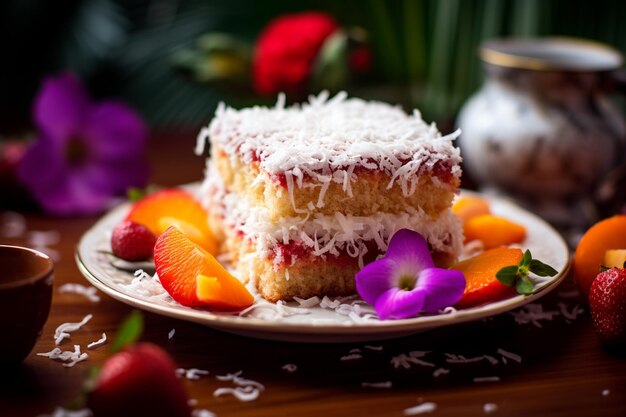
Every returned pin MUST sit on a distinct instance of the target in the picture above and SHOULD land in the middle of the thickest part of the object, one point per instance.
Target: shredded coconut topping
(88, 292)
(420, 409)
(64, 330)
(63, 412)
(490, 408)
(384, 385)
(246, 390)
(487, 379)
(326, 234)
(289, 367)
(327, 138)
(405, 361)
(98, 342)
(70, 358)
(191, 373)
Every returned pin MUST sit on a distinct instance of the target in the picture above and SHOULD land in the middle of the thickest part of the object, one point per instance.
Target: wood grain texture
(563, 372)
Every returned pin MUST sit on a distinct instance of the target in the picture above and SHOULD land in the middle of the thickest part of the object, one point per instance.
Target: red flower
(286, 49)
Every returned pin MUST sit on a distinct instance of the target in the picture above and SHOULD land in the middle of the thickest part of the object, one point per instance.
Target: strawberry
(132, 241)
(139, 381)
(607, 302)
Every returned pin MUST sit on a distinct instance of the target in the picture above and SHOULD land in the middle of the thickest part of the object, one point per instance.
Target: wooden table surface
(563, 372)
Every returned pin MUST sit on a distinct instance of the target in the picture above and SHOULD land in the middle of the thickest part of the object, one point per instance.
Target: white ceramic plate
(313, 324)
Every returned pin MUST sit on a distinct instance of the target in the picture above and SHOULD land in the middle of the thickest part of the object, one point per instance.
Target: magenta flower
(405, 282)
(86, 152)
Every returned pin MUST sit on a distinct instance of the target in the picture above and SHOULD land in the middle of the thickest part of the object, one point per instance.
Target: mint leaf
(129, 332)
(543, 270)
(526, 260)
(135, 194)
(507, 275)
(524, 286)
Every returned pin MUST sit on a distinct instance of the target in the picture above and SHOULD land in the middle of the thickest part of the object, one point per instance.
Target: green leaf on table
(129, 332)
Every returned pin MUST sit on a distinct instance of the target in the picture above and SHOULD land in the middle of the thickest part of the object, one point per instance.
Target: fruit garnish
(591, 251)
(468, 207)
(493, 231)
(132, 241)
(193, 277)
(518, 275)
(139, 379)
(480, 271)
(170, 206)
(607, 302)
(614, 258)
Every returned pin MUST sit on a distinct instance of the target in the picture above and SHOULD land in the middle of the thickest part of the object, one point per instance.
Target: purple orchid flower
(86, 152)
(405, 281)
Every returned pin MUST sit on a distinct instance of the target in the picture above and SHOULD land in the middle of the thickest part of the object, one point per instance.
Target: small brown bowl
(26, 277)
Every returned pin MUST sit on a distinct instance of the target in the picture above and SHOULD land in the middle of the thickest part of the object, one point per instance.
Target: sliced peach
(174, 206)
(482, 286)
(193, 277)
(615, 258)
(468, 207)
(590, 253)
(493, 231)
(224, 293)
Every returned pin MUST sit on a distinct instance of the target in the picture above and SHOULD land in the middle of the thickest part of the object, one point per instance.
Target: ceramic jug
(543, 127)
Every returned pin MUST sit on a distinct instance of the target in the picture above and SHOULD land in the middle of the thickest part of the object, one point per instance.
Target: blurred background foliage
(425, 51)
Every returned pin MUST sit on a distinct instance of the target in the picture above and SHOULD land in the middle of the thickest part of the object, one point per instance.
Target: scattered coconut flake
(289, 367)
(63, 412)
(448, 310)
(355, 350)
(383, 385)
(192, 402)
(98, 342)
(451, 358)
(171, 334)
(440, 371)
(70, 358)
(245, 394)
(533, 313)
(491, 359)
(88, 292)
(351, 357)
(376, 348)
(487, 379)
(63, 331)
(605, 392)
(149, 286)
(330, 304)
(202, 412)
(489, 408)
(308, 302)
(412, 358)
(509, 355)
(42, 238)
(242, 382)
(570, 315)
(191, 373)
(13, 224)
(420, 409)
